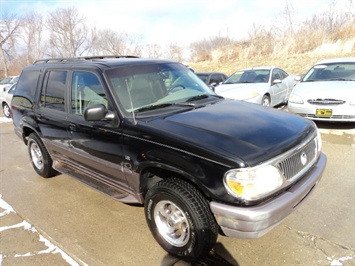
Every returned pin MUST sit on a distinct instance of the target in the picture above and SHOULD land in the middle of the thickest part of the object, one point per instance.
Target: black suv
(150, 132)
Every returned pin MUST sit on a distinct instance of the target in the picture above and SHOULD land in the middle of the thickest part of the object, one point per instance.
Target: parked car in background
(212, 79)
(6, 100)
(326, 92)
(6, 82)
(268, 86)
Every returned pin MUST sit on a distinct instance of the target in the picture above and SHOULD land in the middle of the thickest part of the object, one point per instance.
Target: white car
(6, 100)
(268, 86)
(326, 92)
(6, 82)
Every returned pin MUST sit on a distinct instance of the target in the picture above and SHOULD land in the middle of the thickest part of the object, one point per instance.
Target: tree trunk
(3, 57)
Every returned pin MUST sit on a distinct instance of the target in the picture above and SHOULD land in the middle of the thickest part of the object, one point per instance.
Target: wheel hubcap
(172, 223)
(6, 111)
(36, 156)
(266, 102)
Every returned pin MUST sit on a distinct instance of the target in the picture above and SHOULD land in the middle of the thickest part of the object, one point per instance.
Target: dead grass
(295, 63)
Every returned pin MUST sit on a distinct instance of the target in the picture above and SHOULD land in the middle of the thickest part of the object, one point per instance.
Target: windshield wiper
(197, 97)
(152, 107)
(162, 105)
(338, 79)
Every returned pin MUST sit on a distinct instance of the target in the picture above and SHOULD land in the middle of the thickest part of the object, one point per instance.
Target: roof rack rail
(73, 59)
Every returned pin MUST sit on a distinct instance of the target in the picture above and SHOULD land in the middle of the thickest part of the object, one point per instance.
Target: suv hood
(233, 132)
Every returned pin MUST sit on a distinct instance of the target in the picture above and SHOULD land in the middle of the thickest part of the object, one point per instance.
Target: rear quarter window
(26, 88)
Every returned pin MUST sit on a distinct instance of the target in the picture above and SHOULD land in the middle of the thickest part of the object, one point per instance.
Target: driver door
(96, 146)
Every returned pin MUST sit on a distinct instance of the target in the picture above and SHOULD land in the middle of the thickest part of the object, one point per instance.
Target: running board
(89, 179)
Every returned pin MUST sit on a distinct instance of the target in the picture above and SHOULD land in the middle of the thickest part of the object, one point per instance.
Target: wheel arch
(152, 174)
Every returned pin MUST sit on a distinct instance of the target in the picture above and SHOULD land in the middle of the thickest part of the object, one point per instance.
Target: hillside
(293, 63)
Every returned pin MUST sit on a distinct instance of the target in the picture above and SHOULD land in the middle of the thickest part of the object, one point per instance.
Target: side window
(86, 91)
(26, 88)
(283, 74)
(214, 79)
(276, 75)
(53, 91)
(218, 78)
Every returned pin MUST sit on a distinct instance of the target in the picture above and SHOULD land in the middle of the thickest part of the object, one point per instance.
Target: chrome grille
(299, 162)
(326, 101)
(329, 118)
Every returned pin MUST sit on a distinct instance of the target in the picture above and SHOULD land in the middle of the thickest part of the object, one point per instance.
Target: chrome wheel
(7, 111)
(172, 223)
(265, 101)
(36, 156)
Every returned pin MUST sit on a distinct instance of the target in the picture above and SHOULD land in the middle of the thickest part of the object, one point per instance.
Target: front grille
(326, 101)
(345, 117)
(299, 162)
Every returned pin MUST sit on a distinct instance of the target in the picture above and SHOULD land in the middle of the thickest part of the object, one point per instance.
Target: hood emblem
(303, 158)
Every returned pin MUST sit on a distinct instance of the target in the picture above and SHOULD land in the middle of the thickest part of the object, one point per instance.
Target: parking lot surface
(59, 221)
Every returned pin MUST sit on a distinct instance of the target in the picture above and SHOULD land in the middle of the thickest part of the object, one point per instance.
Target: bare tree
(33, 28)
(288, 16)
(9, 28)
(175, 52)
(153, 50)
(68, 32)
(113, 43)
(202, 50)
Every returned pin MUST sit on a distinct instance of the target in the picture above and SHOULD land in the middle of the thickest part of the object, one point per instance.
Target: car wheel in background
(7, 111)
(265, 100)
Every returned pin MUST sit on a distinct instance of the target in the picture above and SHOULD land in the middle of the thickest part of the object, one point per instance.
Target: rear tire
(180, 220)
(6, 110)
(40, 158)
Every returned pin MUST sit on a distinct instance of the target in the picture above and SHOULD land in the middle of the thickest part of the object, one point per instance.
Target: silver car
(6, 100)
(268, 86)
(326, 92)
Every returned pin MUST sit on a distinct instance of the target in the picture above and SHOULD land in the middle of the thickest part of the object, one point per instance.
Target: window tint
(86, 91)
(217, 78)
(54, 90)
(283, 74)
(276, 74)
(26, 88)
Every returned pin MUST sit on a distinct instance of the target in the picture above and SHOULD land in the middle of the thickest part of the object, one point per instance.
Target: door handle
(73, 128)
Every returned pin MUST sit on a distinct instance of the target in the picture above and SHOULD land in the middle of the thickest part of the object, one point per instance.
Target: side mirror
(98, 112)
(277, 81)
(298, 78)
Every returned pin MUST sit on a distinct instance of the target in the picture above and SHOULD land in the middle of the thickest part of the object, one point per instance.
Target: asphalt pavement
(59, 221)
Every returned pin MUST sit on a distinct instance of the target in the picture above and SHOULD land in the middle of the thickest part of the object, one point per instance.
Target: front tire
(266, 101)
(40, 158)
(180, 220)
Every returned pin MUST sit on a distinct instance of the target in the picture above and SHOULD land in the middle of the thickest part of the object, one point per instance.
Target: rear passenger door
(96, 146)
(51, 115)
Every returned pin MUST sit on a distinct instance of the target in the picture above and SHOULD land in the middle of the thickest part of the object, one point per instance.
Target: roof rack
(82, 58)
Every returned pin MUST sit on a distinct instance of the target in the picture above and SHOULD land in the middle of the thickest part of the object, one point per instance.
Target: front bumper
(340, 113)
(255, 221)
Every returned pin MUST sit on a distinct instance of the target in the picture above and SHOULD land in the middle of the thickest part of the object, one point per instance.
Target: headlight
(253, 183)
(295, 99)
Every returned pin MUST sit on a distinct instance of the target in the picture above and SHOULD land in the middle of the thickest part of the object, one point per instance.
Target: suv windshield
(158, 85)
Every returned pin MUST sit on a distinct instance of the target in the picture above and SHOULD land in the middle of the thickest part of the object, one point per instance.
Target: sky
(180, 22)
